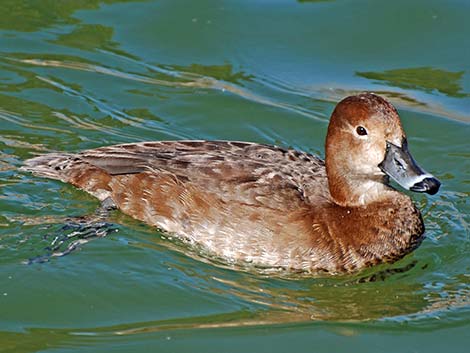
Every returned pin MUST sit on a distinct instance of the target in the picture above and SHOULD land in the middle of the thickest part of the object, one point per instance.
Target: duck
(268, 206)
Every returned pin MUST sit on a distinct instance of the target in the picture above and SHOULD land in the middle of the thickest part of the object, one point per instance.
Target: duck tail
(71, 168)
(52, 165)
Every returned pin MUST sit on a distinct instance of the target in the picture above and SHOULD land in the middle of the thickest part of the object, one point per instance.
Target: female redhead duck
(265, 205)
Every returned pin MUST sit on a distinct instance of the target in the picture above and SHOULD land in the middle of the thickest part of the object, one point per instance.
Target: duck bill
(401, 167)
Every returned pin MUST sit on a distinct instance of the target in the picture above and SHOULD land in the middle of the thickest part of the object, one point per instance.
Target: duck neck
(347, 189)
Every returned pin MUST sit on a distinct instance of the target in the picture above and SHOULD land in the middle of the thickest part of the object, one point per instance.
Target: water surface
(82, 74)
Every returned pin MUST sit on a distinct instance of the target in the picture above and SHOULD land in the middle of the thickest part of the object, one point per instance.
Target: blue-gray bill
(401, 167)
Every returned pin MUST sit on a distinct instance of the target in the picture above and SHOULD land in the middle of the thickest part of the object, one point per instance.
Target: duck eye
(361, 131)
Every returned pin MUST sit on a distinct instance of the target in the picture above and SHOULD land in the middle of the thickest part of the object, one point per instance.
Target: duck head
(365, 145)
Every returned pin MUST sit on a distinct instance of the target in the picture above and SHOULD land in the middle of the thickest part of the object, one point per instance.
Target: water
(76, 75)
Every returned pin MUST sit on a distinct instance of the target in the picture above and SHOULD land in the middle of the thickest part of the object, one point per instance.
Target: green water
(81, 74)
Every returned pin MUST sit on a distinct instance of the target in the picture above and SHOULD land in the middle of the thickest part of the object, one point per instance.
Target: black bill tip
(429, 185)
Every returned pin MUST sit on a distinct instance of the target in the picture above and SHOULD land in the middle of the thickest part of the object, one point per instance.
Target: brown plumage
(259, 204)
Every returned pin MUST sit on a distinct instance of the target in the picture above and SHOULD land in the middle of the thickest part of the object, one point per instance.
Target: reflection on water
(88, 37)
(29, 16)
(399, 99)
(220, 72)
(422, 78)
(191, 77)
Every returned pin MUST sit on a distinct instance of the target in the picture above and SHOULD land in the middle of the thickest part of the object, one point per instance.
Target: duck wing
(245, 172)
(233, 170)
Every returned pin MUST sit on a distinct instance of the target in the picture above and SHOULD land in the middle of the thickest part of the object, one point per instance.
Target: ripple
(188, 80)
